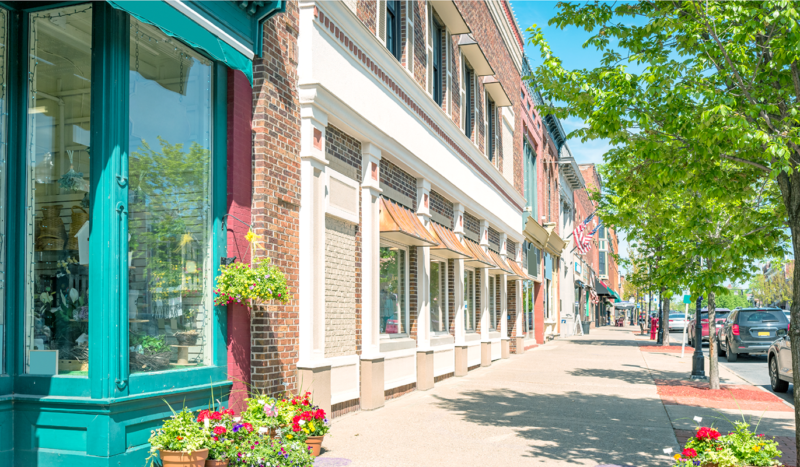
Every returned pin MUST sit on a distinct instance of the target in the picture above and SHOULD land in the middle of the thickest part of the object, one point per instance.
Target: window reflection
(394, 310)
(169, 221)
(469, 300)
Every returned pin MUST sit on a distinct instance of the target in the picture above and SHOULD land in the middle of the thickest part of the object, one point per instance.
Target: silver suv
(780, 364)
(751, 331)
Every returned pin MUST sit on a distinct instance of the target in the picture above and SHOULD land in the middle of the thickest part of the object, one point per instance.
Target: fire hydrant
(653, 328)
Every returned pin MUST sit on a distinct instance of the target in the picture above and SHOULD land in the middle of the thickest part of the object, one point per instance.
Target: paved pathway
(581, 401)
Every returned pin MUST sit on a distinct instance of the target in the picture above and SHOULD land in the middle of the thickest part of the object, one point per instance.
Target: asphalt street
(751, 368)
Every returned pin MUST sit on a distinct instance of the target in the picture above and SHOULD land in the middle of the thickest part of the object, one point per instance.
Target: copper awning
(401, 225)
(502, 267)
(480, 258)
(449, 245)
(518, 272)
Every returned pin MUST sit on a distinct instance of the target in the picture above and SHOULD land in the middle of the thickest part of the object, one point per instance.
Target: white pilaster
(503, 284)
(370, 245)
(483, 312)
(458, 281)
(423, 268)
(312, 236)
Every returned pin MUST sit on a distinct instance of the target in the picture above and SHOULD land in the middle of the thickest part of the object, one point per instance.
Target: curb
(760, 387)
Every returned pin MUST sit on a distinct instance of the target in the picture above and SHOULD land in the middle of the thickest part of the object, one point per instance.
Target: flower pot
(217, 462)
(184, 458)
(187, 337)
(315, 443)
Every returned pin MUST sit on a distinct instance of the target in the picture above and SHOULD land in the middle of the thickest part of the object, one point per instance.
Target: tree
(720, 87)
(731, 301)
(775, 289)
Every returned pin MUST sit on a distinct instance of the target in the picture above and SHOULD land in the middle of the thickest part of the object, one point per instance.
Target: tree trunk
(790, 190)
(665, 318)
(713, 362)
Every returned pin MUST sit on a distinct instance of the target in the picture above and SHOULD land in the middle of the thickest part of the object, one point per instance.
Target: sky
(567, 45)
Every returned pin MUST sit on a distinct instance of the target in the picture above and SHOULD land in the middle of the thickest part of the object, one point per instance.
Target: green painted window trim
(108, 332)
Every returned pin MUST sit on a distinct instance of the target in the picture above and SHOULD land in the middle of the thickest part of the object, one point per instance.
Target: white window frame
(474, 328)
(406, 320)
(444, 297)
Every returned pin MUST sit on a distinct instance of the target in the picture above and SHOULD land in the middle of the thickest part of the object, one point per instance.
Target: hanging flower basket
(244, 283)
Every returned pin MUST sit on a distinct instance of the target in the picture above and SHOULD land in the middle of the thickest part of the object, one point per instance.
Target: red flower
(215, 438)
(295, 427)
(708, 434)
(179, 438)
(215, 416)
(202, 416)
(220, 430)
(248, 427)
(689, 452)
(228, 412)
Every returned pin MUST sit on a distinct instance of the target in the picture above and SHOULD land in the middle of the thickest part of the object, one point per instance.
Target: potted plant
(244, 283)
(180, 442)
(218, 426)
(309, 424)
(739, 448)
(189, 335)
(266, 413)
(274, 452)
(149, 353)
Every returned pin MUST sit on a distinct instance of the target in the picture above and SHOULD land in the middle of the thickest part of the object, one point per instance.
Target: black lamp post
(698, 361)
(660, 340)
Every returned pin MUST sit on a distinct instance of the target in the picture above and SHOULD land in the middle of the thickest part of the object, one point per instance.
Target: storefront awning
(502, 267)
(401, 225)
(449, 245)
(518, 273)
(193, 26)
(535, 233)
(480, 259)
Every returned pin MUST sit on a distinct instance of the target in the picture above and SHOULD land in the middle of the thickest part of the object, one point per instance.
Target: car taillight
(735, 329)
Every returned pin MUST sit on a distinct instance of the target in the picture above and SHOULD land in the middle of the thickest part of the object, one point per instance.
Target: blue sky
(567, 45)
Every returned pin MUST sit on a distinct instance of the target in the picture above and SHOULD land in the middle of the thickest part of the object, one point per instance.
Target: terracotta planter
(217, 462)
(183, 458)
(315, 443)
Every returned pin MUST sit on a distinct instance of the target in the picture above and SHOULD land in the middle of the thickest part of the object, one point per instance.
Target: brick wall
(340, 294)
(511, 249)
(420, 48)
(494, 240)
(455, 81)
(276, 199)
(412, 292)
(512, 312)
(440, 205)
(451, 296)
(367, 13)
(471, 224)
(399, 180)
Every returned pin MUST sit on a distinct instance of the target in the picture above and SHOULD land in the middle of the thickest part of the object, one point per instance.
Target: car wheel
(778, 385)
(732, 355)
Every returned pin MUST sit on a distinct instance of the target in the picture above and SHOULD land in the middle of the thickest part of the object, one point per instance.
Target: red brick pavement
(729, 396)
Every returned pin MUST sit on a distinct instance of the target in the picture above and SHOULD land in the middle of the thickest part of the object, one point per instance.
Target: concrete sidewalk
(584, 401)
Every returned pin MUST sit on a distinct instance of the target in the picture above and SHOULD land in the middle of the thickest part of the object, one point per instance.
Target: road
(751, 368)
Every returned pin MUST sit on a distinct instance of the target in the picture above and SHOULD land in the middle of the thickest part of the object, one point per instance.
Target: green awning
(615, 295)
(175, 24)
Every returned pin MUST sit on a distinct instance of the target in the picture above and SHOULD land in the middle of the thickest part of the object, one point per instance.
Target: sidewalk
(580, 401)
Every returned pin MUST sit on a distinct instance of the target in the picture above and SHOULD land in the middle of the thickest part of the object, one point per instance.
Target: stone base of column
(317, 380)
(520, 345)
(462, 367)
(372, 394)
(486, 354)
(424, 370)
(505, 347)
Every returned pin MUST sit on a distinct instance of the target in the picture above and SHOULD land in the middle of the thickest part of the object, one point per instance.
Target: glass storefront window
(3, 186)
(394, 287)
(469, 300)
(438, 304)
(169, 221)
(57, 306)
(492, 303)
(528, 306)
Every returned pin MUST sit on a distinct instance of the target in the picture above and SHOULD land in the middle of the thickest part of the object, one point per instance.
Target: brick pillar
(239, 201)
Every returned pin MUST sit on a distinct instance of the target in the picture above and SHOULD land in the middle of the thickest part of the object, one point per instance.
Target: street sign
(687, 299)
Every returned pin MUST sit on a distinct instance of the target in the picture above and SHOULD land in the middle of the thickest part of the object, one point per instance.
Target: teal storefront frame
(104, 418)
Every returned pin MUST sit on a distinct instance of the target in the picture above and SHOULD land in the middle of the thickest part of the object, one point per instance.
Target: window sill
(389, 344)
(472, 336)
(444, 339)
(494, 335)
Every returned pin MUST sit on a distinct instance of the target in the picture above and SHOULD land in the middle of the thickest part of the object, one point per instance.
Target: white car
(676, 321)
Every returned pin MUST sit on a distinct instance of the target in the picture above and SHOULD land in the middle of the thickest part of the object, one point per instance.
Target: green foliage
(731, 301)
(181, 432)
(154, 344)
(239, 283)
(277, 453)
(741, 447)
(776, 289)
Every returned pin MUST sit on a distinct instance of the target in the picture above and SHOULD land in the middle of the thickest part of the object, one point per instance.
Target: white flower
(261, 402)
(263, 430)
(207, 423)
(668, 451)
(74, 295)
(302, 422)
(237, 419)
(698, 419)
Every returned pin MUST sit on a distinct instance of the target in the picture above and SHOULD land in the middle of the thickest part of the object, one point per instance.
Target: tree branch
(745, 161)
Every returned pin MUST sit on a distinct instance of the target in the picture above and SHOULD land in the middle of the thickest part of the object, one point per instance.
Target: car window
(761, 316)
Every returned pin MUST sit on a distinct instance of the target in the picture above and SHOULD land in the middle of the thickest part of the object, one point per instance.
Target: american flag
(594, 297)
(577, 233)
(586, 242)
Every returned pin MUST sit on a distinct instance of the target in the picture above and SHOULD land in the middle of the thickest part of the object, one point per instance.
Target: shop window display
(438, 305)
(469, 300)
(169, 222)
(394, 287)
(58, 152)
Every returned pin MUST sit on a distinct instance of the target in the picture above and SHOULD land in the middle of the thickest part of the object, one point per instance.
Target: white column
(423, 268)
(312, 236)
(458, 280)
(503, 284)
(370, 246)
(484, 292)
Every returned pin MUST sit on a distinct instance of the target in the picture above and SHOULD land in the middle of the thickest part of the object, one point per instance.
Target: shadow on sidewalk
(573, 427)
(637, 374)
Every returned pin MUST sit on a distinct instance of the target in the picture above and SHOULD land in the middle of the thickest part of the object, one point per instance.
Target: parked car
(779, 357)
(788, 314)
(720, 315)
(752, 331)
(676, 321)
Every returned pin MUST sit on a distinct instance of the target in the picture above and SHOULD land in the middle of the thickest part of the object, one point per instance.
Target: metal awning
(449, 245)
(480, 259)
(502, 268)
(518, 273)
(477, 60)
(555, 244)
(496, 91)
(572, 173)
(448, 12)
(401, 225)
(535, 233)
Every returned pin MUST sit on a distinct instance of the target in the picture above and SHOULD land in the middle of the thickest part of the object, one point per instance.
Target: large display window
(394, 289)
(438, 297)
(469, 300)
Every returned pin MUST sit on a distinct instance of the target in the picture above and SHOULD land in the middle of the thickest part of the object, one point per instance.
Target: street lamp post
(698, 362)
(660, 340)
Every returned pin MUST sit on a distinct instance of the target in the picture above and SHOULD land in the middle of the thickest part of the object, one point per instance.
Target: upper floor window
(393, 27)
(469, 99)
(437, 33)
(603, 263)
(530, 179)
(491, 126)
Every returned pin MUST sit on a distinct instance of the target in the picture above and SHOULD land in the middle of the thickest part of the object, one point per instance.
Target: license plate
(763, 333)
